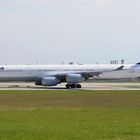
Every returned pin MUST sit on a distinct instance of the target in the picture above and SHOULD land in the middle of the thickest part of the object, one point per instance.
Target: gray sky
(56, 31)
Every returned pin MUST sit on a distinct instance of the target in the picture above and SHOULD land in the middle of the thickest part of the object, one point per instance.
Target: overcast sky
(56, 31)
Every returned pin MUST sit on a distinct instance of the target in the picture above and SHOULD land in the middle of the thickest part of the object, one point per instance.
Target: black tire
(67, 86)
(73, 86)
(78, 86)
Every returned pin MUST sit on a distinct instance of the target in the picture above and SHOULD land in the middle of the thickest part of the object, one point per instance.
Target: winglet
(120, 68)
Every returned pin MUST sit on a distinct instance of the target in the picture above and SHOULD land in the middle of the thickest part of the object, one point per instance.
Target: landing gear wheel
(67, 86)
(73, 86)
(78, 86)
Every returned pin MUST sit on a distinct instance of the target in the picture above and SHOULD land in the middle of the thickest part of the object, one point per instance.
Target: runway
(85, 86)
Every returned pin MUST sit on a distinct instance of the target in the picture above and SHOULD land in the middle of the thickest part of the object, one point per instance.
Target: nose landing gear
(68, 86)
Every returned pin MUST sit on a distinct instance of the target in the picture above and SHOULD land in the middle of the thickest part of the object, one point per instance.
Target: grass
(69, 115)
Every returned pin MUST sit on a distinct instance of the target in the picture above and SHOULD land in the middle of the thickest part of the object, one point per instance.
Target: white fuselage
(34, 72)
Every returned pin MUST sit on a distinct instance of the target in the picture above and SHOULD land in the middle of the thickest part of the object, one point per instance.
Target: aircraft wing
(85, 74)
(97, 73)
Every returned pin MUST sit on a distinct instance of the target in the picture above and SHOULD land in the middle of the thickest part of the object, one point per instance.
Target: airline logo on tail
(137, 65)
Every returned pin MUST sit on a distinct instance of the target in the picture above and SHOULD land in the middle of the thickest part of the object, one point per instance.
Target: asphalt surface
(85, 86)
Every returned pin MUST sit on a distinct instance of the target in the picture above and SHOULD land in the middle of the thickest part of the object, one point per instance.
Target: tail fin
(136, 65)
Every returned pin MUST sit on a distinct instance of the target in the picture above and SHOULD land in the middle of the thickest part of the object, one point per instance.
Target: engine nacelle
(74, 78)
(50, 81)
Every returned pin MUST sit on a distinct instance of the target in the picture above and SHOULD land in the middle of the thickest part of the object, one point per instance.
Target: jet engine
(74, 78)
(50, 81)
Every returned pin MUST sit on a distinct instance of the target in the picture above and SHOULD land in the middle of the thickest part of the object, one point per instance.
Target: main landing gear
(73, 86)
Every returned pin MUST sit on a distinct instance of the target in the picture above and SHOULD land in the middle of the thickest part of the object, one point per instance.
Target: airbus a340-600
(51, 75)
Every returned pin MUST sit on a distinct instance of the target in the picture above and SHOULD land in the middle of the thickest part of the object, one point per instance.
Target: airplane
(52, 75)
